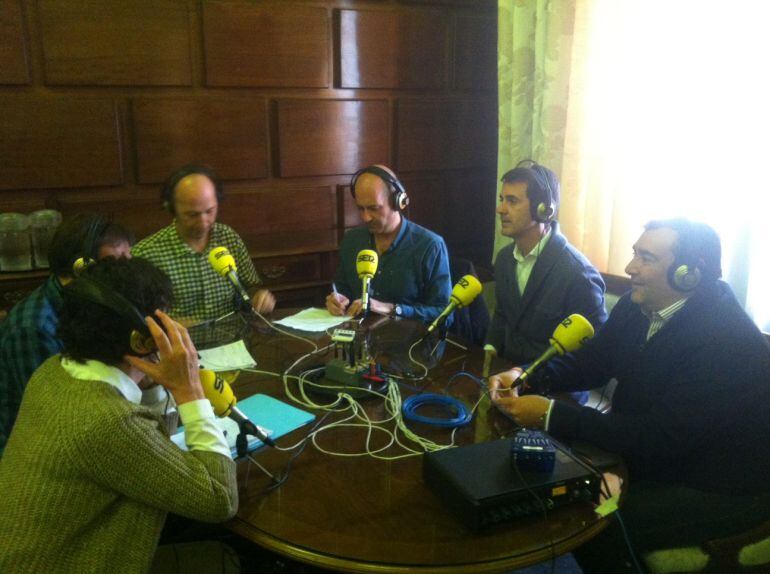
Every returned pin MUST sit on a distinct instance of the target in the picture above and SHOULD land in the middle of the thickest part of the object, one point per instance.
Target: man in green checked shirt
(181, 249)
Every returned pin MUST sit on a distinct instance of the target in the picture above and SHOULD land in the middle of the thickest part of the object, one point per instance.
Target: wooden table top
(363, 514)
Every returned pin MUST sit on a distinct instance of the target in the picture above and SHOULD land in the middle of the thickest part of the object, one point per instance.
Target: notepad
(275, 418)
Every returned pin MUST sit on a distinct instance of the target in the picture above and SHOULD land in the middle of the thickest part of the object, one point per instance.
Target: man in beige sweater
(89, 472)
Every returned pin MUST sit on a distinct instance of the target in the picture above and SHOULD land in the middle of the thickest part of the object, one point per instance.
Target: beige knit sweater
(88, 477)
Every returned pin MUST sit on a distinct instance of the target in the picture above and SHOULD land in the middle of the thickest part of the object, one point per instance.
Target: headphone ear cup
(543, 213)
(80, 265)
(402, 200)
(684, 277)
(141, 344)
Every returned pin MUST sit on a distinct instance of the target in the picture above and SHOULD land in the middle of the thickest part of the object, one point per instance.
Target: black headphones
(542, 211)
(167, 191)
(96, 227)
(685, 273)
(398, 197)
(140, 339)
(684, 277)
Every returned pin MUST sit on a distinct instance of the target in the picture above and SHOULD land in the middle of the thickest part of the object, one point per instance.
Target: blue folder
(274, 417)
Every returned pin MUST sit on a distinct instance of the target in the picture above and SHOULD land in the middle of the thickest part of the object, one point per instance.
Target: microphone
(569, 335)
(489, 353)
(220, 395)
(224, 264)
(463, 294)
(366, 267)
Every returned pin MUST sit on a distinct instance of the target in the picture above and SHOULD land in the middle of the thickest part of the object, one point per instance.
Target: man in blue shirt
(412, 278)
(28, 335)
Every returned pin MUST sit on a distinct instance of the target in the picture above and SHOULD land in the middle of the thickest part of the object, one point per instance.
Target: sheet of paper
(312, 319)
(227, 357)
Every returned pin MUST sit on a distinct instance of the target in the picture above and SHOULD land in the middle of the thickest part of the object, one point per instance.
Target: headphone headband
(398, 195)
(87, 289)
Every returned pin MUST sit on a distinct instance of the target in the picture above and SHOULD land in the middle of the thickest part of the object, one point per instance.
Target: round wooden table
(361, 514)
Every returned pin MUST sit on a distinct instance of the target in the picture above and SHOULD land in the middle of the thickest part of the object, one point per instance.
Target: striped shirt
(200, 293)
(660, 318)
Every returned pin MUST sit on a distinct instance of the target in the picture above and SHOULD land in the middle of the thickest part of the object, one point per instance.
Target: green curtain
(535, 39)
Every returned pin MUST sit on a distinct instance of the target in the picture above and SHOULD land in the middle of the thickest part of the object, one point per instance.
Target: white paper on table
(312, 319)
(227, 357)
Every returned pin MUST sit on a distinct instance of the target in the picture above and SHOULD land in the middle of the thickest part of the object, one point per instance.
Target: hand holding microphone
(569, 335)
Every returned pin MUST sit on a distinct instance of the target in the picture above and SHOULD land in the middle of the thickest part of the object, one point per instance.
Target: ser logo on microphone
(219, 385)
(463, 282)
(366, 257)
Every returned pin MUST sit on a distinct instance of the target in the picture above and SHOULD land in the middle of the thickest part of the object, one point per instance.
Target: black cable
(543, 509)
(284, 475)
(622, 525)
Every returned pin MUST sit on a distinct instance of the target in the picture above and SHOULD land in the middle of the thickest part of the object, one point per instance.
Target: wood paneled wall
(101, 100)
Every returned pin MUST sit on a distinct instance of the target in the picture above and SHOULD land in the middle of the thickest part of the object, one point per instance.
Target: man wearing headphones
(539, 279)
(690, 412)
(90, 472)
(192, 195)
(28, 335)
(412, 278)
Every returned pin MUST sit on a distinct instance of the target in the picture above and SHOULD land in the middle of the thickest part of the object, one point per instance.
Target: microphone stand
(242, 447)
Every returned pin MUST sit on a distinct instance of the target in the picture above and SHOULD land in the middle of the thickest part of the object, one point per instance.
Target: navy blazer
(562, 282)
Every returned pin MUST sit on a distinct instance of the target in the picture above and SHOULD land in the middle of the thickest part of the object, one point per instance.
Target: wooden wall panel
(461, 208)
(101, 99)
(325, 137)
(58, 142)
(131, 42)
(13, 60)
(228, 135)
(283, 220)
(142, 214)
(348, 207)
(250, 45)
(443, 134)
(475, 50)
(382, 49)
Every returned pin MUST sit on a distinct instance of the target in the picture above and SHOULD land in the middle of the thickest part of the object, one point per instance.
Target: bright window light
(676, 110)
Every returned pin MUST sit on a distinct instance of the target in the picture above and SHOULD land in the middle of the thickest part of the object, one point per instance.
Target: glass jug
(15, 248)
(43, 225)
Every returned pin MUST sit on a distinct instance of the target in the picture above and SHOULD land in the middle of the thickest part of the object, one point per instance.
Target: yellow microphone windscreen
(221, 260)
(465, 290)
(571, 334)
(218, 393)
(366, 263)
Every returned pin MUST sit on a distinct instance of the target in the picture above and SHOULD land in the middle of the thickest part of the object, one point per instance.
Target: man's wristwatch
(396, 311)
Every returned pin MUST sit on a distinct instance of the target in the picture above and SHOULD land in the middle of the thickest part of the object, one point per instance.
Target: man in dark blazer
(539, 279)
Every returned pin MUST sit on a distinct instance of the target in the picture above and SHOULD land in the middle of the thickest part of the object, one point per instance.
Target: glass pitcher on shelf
(43, 224)
(15, 246)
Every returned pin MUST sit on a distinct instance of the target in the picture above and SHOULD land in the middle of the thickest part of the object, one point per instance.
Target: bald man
(192, 196)
(412, 278)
